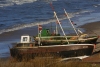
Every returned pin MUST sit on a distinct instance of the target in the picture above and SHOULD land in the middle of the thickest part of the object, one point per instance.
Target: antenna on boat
(56, 23)
(71, 22)
(39, 34)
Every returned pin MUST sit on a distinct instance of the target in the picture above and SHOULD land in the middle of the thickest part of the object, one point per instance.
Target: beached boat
(30, 47)
(27, 47)
(48, 39)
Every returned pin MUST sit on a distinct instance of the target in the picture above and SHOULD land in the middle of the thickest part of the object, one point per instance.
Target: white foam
(84, 11)
(19, 2)
(22, 26)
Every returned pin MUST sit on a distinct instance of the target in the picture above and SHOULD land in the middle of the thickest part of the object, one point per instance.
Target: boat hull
(71, 50)
(61, 40)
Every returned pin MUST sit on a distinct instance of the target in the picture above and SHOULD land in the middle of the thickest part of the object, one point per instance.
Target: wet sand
(92, 28)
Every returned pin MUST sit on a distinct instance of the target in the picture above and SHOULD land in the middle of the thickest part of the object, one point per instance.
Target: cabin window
(30, 38)
(24, 38)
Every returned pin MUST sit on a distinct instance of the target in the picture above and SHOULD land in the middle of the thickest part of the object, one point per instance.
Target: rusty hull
(61, 50)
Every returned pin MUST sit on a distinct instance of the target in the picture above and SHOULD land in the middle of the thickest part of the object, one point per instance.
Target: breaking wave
(13, 2)
(4, 3)
(22, 26)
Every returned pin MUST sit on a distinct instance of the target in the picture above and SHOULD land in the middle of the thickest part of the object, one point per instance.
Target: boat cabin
(26, 39)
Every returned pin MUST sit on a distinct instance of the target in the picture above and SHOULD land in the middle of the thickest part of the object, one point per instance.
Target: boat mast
(39, 34)
(60, 26)
(56, 23)
(39, 42)
(56, 29)
(71, 22)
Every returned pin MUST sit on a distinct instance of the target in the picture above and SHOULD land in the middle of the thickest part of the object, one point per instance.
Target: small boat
(48, 38)
(27, 47)
(56, 45)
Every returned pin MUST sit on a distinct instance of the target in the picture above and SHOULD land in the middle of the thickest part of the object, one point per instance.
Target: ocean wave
(96, 5)
(13, 2)
(4, 3)
(22, 26)
(83, 11)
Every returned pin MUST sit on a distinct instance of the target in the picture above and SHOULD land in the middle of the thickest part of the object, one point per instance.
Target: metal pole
(56, 23)
(39, 42)
(61, 26)
(70, 22)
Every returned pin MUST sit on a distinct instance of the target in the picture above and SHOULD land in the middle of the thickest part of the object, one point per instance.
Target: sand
(92, 28)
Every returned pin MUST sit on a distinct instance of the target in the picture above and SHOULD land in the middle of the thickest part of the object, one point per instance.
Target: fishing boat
(31, 47)
(27, 47)
(48, 38)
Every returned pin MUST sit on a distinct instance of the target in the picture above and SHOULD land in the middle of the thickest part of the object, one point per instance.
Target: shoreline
(90, 28)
